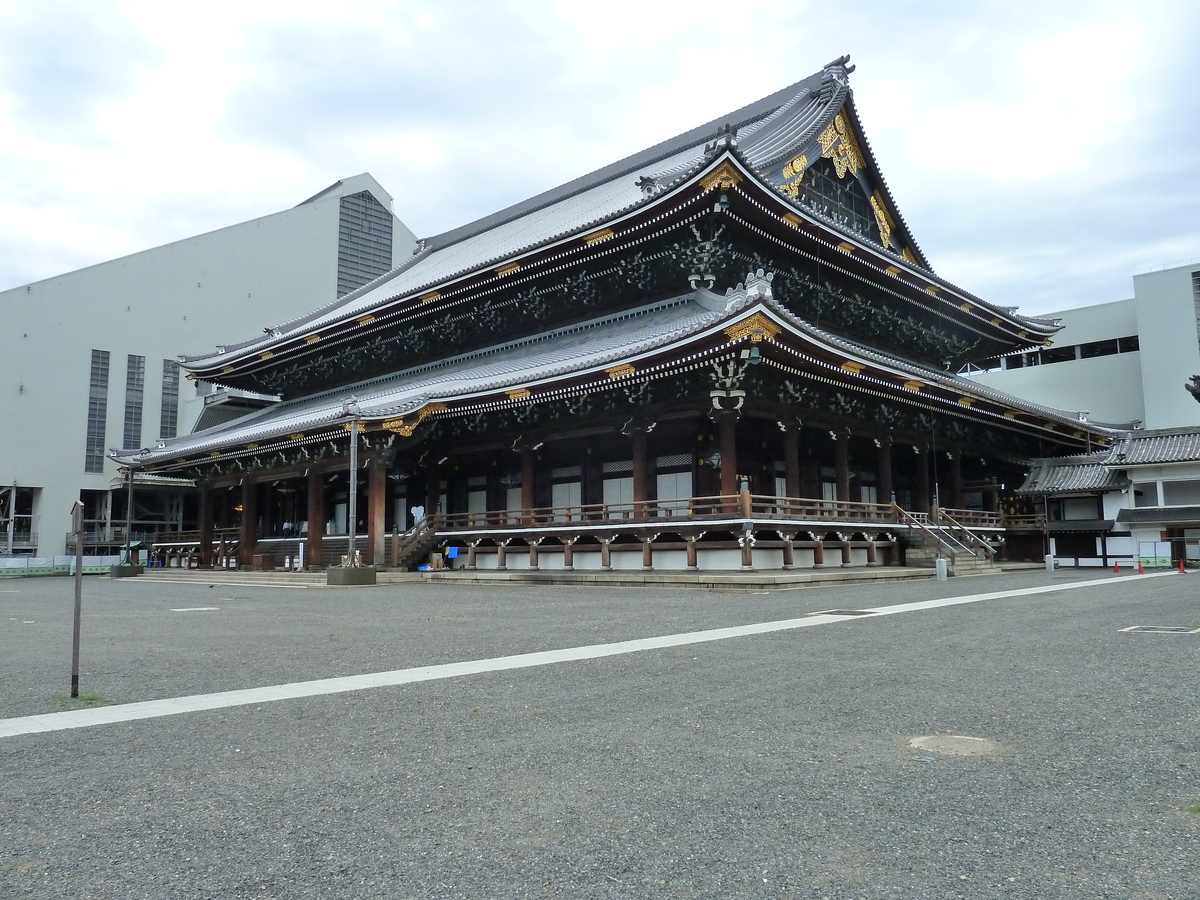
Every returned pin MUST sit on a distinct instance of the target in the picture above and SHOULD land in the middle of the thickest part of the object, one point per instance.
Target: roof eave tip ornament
(838, 70)
(726, 137)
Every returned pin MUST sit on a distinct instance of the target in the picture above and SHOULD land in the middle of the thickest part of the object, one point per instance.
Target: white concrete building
(1125, 362)
(88, 358)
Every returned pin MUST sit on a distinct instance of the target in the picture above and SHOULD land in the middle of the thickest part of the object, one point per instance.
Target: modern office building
(88, 359)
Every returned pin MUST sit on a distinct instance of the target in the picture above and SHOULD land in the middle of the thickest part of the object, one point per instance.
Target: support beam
(316, 517)
(248, 532)
(376, 511)
(206, 525)
(791, 461)
(841, 461)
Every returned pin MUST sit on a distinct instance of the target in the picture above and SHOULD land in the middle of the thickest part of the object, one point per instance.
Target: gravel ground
(767, 766)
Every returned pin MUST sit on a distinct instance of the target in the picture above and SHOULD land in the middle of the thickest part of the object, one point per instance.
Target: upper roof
(1108, 470)
(1160, 445)
(762, 134)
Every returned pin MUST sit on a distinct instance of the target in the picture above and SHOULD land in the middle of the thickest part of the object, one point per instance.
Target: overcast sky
(1041, 152)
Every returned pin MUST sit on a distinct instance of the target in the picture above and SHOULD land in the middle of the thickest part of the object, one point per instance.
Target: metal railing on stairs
(965, 536)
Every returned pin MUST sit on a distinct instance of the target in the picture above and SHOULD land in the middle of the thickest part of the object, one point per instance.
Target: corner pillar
(206, 524)
(316, 517)
(248, 532)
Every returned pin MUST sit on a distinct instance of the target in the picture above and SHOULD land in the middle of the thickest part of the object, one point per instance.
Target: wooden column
(991, 497)
(886, 487)
(316, 518)
(789, 550)
(957, 498)
(641, 471)
(502, 555)
(376, 512)
(746, 542)
(606, 553)
(568, 546)
(922, 499)
(692, 562)
(248, 533)
(847, 555)
(819, 554)
(727, 428)
(647, 553)
(533, 552)
(872, 553)
(472, 554)
(841, 460)
(791, 461)
(528, 474)
(206, 524)
(810, 479)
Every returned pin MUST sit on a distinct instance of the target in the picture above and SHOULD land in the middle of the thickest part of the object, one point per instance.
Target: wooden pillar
(248, 533)
(502, 555)
(841, 460)
(647, 553)
(692, 562)
(819, 554)
(789, 550)
(791, 461)
(746, 542)
(957, 498)
(810, 479)
(206, 524)
(872, 553)
(641, 471)
(568, 546)
(727, 427)
(533, 553)
(316, 517)
(528, 474)
(472, 554)
(921, 502)
(606, 553)
(991, 497)
(847, 554)
(886, 486)
(376, 512)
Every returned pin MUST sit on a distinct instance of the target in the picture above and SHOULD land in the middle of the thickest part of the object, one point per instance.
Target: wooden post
(819, 554)
(647, 553)
(791, 461)
(746, 542)
(847, 558)
(248, 532)
(641, 471)
(316, 517)
(502, 555)
(568, 546)
(533, 552)
(789, 550)
(957, 499)
(206, 525)
(872, 553)
(885, 470)
(376, 510)
(841, 457)
(923, 496)
(471, 554)
(606, 553)
(528, 474)
(727, 427)
(692, 562)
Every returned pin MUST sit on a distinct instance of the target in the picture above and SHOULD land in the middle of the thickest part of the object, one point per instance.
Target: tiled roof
(576, 349)
(765, 132)
(1140, 448)
(1072, 475)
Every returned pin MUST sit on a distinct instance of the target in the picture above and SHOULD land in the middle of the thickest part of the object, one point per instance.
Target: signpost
(77, 527)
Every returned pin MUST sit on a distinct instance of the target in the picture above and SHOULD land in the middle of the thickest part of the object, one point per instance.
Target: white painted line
(197, 609)
(179, 581)
(150, 709)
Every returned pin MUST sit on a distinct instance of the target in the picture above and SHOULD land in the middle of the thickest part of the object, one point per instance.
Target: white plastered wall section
(1109, 388)
(185, 297)
(1167, 328)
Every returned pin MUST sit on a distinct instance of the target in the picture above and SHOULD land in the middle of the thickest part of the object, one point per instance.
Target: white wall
(184, 297)
(1166, 313)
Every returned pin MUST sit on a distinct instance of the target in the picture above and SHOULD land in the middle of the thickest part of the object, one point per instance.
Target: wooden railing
(911, 522)
(974, 518)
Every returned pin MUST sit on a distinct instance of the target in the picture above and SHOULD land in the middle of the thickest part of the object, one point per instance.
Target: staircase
(414, 545)
(964, 551)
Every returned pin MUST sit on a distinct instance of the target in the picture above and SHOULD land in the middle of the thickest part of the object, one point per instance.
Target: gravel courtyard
(772, 765)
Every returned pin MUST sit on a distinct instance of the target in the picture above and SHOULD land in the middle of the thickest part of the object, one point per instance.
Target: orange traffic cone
(1116, 568)
(1141, 571)
(1182, 570)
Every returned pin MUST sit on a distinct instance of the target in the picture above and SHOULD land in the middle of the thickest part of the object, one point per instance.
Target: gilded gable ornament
(882, 219)
(838, 144)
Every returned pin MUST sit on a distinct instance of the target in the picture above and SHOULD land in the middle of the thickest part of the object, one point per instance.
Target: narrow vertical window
(168, 423)
(135, 389)
(97, 412)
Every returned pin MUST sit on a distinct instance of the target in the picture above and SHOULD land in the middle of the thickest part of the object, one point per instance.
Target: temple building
(726, 351)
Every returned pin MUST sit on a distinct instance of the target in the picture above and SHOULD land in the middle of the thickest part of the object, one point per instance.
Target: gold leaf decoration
(620, 371)
(518, 393)
(597, 236)
(838, 144)
(846, 247)
(882, 219)
(266, 355)
(914, 385)
(312, 339)
(723, 176)
(508, 269)
(755, 327)
(852, 366)
(431, 296)
(908, 254)
(792, 219)
(366, 320)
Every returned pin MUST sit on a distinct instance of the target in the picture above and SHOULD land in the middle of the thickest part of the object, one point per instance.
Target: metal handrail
(960, 532)
(907, 519)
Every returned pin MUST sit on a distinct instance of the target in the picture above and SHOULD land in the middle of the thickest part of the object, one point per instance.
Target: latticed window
(135, 390)
(168, 420)
(97, 412)
(841, 199)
